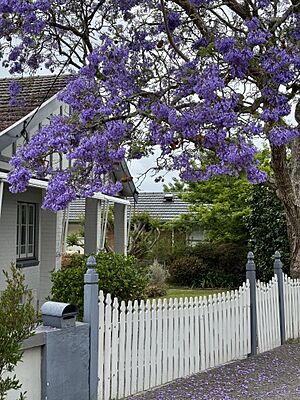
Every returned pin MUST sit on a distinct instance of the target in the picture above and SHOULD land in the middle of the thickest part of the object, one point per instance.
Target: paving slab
(271, 375)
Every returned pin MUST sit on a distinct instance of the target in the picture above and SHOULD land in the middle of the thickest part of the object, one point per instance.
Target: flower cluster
(202, 97)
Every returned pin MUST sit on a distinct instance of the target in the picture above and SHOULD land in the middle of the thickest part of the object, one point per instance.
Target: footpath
(271, 375)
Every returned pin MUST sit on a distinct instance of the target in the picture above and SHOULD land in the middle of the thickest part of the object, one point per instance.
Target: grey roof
(34, 91)
(164, 206)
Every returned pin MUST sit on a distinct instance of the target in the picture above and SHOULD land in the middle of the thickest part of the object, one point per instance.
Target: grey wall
(65, 363)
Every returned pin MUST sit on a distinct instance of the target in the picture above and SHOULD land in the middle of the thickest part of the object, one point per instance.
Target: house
(30, 236)
(167, 207)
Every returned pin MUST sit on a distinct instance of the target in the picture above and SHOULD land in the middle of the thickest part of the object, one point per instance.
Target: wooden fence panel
(143, 345)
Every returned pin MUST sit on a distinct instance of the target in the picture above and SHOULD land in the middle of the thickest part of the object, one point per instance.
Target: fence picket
(128, 345)
(153, 345)
(159, 343)
(176, 339)
(165, 342)
(134, 347)
(147, 345)
(141, 346)
(122, 341)
(115, 349)
(101, 344)
(107, 348)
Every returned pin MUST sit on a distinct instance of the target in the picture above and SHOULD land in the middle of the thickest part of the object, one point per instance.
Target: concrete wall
(28, 371)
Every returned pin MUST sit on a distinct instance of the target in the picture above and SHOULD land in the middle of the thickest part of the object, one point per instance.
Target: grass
(181, 291)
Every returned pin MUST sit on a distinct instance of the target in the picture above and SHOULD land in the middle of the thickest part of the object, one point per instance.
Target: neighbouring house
(167, 207)
(30, 236)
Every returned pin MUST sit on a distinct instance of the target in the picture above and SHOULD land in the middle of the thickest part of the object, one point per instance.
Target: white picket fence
(268, 323)
(291, 293)
(146, 344)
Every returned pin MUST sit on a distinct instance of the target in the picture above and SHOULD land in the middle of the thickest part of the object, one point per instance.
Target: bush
(17, 322)
(187, 271)
(157, 280)
(73, 239)
(209, 265)
(118, 275)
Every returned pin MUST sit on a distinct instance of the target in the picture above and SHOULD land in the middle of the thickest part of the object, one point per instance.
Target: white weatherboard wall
(146, 344)
(29, 374)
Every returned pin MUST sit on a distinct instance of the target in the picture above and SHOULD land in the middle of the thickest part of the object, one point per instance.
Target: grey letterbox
(59, 315)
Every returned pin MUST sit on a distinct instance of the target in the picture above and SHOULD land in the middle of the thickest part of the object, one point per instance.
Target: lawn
(181, 291)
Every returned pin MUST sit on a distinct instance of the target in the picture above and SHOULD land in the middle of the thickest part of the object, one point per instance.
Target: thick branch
(170, 37)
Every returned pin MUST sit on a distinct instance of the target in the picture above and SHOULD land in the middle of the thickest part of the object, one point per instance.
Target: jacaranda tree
(202, 79)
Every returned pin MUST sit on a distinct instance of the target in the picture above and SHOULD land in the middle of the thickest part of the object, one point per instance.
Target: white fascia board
(44, 184)
(38, 115)
(101, 196)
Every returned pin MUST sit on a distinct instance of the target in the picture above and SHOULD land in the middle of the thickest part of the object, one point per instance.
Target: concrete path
(271, 375)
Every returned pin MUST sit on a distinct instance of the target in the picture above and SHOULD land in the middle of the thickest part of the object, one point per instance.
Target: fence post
(91, 316)
(278, 272)
(251, 276)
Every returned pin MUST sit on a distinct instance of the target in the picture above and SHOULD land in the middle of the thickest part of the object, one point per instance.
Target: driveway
(271, 375)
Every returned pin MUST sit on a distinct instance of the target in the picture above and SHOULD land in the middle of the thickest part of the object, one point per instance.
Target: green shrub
(187, 271)
(118, 275)
(17, 322)
(209, 265)
(157, 280)
(73, 239)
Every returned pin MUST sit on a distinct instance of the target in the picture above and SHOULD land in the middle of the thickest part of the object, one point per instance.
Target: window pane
(23, 251)
(31, 215)
(23, 235)
(30, 234)
(23, 214)
(30, 250)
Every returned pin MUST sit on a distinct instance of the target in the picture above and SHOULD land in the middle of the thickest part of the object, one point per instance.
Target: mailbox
(59, 315)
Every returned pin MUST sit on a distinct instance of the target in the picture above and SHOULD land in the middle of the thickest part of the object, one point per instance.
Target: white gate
(268, 324)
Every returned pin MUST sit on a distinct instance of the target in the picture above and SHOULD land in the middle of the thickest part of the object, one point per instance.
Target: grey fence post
(278, 272)
(251, 276)
(91, 316)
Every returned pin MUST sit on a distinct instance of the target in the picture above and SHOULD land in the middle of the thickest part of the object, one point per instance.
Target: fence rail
(146, 344)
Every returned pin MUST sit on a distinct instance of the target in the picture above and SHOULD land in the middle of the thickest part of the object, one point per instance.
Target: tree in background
(17, 322)
(219, 206)
(267, 227)
(202, 79)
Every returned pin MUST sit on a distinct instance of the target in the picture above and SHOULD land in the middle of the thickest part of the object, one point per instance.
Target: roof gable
(35, 91)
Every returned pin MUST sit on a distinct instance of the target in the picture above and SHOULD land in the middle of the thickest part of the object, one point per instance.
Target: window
(26, 231)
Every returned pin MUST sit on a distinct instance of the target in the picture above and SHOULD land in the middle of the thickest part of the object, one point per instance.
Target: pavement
(271, 375)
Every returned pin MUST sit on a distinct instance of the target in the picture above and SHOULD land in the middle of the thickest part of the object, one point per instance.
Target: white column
(120, 228)
(92, 228)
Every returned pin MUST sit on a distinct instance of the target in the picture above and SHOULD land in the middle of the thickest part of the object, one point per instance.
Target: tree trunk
(287, 188)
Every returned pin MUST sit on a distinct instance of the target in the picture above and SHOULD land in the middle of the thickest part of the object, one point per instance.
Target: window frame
(27, 224)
